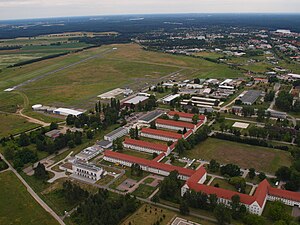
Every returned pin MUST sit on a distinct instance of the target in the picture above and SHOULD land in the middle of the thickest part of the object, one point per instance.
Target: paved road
(33, 194)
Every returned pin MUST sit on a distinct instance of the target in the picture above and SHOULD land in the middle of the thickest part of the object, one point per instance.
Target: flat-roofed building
(169, 98)
(89, 153)
(145, 146)
(151, 116)
(160, 134)
(174, 125)
(87, 171)
(187, 117)
(135, 101)
(250, 97)
(120, 132)
(66, 112)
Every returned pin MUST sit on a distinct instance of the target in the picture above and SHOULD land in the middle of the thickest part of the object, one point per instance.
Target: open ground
(246, 156)
(17, 206)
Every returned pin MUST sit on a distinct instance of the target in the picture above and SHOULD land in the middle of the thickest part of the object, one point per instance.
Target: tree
(222, 214)
(170, 187)
(195, 118)
(213, 201)
(153, 125)
(213, 166)
(262, 176)
(184, 208)
(53, 126)
(252, 219)
(251, 173)
(283, 173)
(24, 140)
(176, 117)
(40, 172)
(278, 212)
(117, 144)
(89, 134)
(231, 170)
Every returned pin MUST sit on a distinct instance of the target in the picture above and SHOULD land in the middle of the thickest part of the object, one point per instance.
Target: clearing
(246, 156)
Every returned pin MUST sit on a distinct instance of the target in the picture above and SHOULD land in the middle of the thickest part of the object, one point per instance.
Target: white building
(120, 132)
(89, 153)
(87, 171)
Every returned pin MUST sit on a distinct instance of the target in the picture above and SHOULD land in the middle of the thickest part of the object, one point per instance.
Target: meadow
(246, 156)
(17, 205)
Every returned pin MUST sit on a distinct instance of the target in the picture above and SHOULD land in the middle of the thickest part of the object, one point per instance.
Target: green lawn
(144, 191)
(178, 163)
(246, 156)
(137, 154)
(12, 124)
(17, 206)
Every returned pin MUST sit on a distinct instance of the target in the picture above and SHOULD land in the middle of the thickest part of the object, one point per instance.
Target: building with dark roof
(151, 116)
(250, 97)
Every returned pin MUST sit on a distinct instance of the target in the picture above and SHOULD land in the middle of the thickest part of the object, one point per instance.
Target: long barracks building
(148, 147)
(195, 181)
(187, 117)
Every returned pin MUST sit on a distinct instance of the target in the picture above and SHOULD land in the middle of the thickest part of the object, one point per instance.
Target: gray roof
(151, 116)
(136, 100)
(116, 131)
(104, 143)
(251, 96)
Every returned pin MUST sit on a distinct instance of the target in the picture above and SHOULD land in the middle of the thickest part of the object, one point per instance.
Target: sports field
(246, 156)
(17, 206)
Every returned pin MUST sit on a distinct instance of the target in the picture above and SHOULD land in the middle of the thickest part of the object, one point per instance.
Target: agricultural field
(246, 156)
(17, 205)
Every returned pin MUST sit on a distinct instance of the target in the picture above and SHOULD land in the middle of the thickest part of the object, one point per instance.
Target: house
(145, 146)
(150, 166)
(120, 132)
(254, 203)
(187, 117)
(174, 125)
(160, 134)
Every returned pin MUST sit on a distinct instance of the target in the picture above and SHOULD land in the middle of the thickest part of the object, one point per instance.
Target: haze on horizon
(24, 9)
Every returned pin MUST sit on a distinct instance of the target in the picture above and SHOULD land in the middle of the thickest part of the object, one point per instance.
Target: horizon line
(149, 14)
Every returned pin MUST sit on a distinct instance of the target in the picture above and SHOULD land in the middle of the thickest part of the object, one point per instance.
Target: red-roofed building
(159, 157)
(188, 117)
(147, 165)
(145, 146)
(160, 134)
(174, 125)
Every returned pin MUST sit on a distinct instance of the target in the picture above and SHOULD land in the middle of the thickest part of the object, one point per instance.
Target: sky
(23, 9)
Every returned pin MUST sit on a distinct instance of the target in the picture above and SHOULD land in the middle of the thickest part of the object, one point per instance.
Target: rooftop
(185, 115)
(176, 123)
(135, 100)
(162, 133)
(150, 163)
(150, 145)
(250, 96)
(149, 117)
(116, 131)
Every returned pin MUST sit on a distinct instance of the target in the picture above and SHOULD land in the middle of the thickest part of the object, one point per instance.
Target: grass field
(148, 215)
(225, 185)
(144, 191)
(246, 156)
(137, 154)
(78, 85)
(17, 206)
(12, 124)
